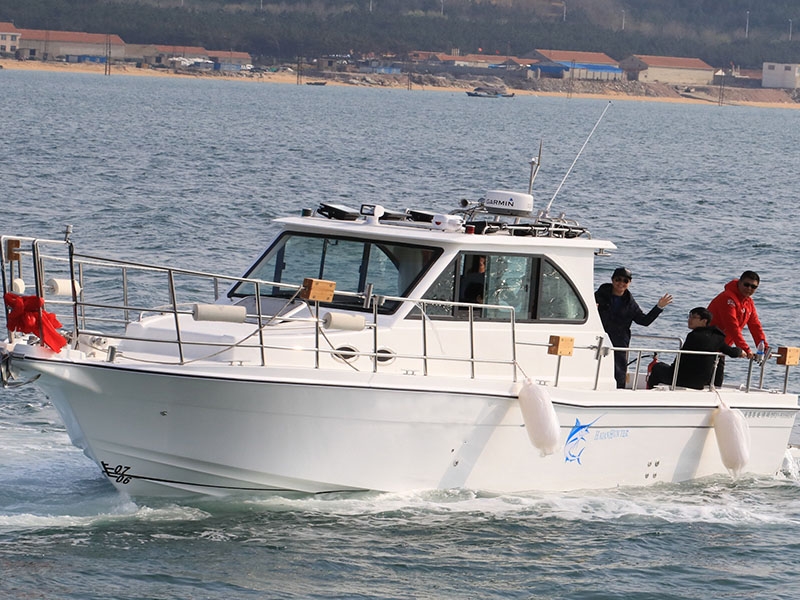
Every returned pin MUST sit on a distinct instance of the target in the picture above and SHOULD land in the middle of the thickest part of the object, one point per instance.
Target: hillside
(720, 33)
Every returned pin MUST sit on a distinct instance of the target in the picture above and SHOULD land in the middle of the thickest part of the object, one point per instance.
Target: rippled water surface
(192, 171)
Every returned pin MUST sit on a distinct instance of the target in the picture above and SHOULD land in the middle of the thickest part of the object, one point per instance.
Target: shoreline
(735, 96)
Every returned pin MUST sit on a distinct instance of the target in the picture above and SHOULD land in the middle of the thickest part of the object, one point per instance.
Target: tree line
(720, 33)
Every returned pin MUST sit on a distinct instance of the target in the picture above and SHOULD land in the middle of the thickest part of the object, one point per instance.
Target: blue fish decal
(576, 441)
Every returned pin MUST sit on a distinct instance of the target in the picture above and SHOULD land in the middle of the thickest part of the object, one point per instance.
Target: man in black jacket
(695, 370)
(618, 310)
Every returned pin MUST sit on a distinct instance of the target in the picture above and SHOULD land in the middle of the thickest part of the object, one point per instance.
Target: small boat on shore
(490, 92)
(368, 349)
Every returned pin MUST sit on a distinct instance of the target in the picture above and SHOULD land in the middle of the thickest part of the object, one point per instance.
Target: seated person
(695, 370)
(472, 281)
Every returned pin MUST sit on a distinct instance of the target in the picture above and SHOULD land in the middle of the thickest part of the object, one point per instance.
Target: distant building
(161, 54)
(228, 60)
(378, 65)
(667, 69)
(139, 52)
(9, 38)
(72, 46)
(573, 64)
(780, 75)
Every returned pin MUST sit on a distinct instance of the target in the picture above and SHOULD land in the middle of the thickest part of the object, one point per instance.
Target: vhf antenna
(547, 210)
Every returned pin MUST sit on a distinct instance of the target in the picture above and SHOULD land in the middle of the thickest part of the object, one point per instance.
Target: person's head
(699, 317)
(748, 283)
(620, 280)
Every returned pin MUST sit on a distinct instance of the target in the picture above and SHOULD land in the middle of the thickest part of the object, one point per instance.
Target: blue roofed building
(562, 64)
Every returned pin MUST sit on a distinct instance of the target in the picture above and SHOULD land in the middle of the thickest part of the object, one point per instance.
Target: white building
(780, 75)
(667, 69)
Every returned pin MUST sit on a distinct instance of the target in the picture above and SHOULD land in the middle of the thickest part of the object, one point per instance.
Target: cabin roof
(427, 234)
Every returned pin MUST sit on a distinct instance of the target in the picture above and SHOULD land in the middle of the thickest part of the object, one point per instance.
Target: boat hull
(282, 430)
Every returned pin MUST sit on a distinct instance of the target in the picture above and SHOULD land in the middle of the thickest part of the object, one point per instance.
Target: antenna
(535, 164)
(560, 185)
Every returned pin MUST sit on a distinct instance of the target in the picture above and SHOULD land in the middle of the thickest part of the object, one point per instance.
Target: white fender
(345, 321)
(222, 313)
(61, 287)
(733, 438)
(541, 421)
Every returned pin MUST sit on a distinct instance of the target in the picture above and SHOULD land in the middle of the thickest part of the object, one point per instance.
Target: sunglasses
(752, 286)
(623, 279)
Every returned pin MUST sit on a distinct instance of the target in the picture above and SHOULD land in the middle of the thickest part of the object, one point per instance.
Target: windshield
(393, 269)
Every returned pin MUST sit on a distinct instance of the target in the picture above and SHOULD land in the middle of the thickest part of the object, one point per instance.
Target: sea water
(192, 171)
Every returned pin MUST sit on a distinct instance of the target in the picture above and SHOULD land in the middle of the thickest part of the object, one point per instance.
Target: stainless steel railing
(142, 291)
(112, 312)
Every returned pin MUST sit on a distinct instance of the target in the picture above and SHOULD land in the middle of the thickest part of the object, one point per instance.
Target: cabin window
(558, 299)
(533, 286)
(391, 268)
(508, 283)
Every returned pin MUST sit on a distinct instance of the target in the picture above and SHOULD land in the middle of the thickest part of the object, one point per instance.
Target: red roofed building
(667, 69)
(569, 56)
(73, 46)
(9, 38)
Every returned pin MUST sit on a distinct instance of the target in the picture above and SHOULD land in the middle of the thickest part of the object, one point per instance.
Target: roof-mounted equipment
(514, 204)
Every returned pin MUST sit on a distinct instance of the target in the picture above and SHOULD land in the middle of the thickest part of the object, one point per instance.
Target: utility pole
(107, 66)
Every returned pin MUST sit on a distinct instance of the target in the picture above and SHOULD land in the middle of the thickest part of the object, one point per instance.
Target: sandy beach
(589, 89)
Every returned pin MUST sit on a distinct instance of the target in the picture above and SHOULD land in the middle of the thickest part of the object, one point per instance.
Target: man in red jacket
(734, 308)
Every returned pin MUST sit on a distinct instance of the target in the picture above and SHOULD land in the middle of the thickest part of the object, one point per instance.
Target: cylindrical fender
(345, 321)
(219, 312)
(541, 421)
(61, 287)
(733, 438)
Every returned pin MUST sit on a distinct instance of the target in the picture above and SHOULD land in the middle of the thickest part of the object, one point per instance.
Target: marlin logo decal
(576, 441)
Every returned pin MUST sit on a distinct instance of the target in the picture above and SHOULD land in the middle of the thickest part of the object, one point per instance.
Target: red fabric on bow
(27, 316)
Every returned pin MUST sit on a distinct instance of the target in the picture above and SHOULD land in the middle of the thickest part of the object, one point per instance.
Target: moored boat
(490, 92)
(368, 349)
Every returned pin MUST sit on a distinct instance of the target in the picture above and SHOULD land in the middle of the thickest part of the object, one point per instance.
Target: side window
(558, 300)
(485, 279)
(508, 283)
(442, 289)
(533, 286)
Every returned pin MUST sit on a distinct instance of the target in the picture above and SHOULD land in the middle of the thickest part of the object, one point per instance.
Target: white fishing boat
(369, 350)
